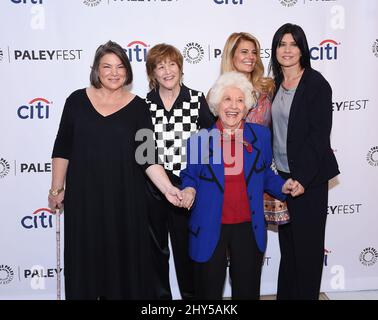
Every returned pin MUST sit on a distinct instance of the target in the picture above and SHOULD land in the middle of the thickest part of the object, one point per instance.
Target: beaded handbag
(275, 211)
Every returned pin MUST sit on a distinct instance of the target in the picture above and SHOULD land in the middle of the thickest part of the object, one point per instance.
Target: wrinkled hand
(188, 196)
(174, 196)
(56, 202)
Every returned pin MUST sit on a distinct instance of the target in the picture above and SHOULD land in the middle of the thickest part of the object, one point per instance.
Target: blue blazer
(207, 178)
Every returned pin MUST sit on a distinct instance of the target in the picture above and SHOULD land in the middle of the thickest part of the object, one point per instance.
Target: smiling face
(112, 72)
(245, 57)
(232, 108)
(167, 74)
(288, 53)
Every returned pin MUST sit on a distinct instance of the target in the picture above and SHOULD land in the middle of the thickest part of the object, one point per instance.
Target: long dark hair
(301, 41)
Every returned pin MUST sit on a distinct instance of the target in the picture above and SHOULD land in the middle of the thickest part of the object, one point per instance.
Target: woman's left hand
(189, 194)
(56, 202)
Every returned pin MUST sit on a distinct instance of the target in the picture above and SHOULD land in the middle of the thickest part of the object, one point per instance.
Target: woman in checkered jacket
(177, 112)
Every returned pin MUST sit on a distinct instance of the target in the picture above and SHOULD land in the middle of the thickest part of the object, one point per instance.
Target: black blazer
(311, 159)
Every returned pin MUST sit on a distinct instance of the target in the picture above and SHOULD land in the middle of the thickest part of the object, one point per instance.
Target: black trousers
(237, 242)
(302, 245)
(166, 219)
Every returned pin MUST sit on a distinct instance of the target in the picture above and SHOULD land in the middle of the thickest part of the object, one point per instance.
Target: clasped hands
(292, 187)
(181, 198)
(185, 198)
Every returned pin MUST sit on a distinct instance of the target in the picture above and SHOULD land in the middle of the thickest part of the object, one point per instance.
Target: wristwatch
(55, 192)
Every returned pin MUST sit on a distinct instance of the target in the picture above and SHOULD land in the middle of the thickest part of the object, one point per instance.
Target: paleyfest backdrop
(46, 50)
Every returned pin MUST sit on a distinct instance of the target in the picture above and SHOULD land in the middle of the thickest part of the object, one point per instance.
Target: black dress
(107, 252)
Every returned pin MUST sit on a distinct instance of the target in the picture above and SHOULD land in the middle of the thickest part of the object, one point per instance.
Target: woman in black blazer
(302, 122)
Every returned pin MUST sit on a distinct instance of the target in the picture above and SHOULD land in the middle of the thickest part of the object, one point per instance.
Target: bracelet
(55, 192)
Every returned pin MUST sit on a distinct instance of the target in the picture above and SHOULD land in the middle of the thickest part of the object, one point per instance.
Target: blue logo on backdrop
(28, 1)
(144, 1)
(317, 1)
(137, 51)
(41, 218)
(327, 50)
(228, 1)
(38, 108)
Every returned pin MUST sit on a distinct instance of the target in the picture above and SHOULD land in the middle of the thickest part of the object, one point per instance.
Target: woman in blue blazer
(302, 122)
(227, 173)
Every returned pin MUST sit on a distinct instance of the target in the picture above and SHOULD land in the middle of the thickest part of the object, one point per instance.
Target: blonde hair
(231, 79)
(257, 75)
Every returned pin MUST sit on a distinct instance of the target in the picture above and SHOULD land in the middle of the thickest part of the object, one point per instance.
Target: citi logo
(28, 1)
(137, 51)
(37, 108)
(327, 50)
(228, 1)
(40, 218)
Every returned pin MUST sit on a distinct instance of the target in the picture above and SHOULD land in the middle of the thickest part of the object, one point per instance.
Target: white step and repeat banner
(47, 47)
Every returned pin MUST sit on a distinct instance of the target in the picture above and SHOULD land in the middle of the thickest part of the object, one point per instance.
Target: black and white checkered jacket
(189, 113)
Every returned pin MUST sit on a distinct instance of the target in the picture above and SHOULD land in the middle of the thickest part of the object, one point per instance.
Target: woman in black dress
(94, 169)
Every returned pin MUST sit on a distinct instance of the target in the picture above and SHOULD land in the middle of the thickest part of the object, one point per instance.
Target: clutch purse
(275, 211)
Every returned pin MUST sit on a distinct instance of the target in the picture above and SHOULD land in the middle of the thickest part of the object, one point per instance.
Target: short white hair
(232, 79)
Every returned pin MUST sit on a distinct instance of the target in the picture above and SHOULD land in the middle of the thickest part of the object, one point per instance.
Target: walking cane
(58, 284)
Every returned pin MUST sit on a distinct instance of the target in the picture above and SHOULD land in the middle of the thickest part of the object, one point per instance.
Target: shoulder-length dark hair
(301, 41)
(110, 47)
